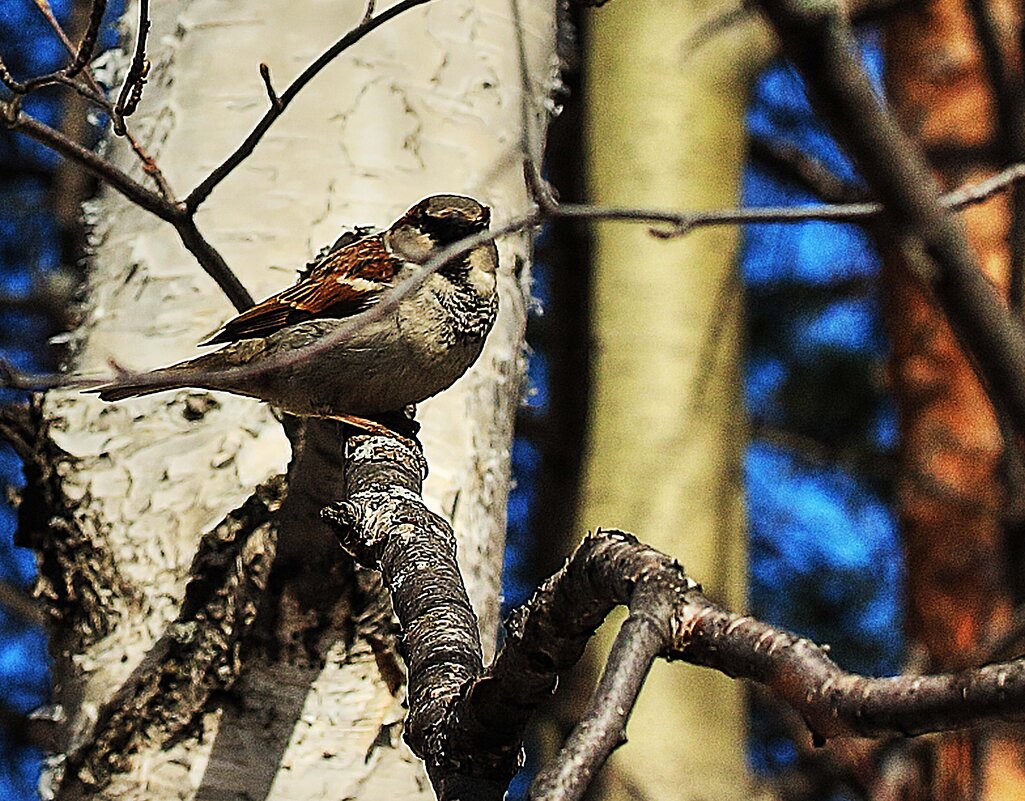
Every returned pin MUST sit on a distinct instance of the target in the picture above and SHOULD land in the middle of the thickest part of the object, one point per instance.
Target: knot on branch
(10, 111)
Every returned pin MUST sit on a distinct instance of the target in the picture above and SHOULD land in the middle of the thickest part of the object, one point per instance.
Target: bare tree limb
(682, 222)
(602, 728)
(471, 735)
(384, 524)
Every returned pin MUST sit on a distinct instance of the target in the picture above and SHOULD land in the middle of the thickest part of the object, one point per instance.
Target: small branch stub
(275, 101)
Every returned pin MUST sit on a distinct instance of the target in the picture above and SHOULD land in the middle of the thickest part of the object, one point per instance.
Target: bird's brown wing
(344, 282)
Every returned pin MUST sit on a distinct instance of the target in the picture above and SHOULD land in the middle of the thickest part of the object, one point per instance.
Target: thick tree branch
(384, 524)
(468, 725)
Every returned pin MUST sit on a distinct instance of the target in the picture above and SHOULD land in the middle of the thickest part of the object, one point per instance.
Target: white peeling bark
(429, 103)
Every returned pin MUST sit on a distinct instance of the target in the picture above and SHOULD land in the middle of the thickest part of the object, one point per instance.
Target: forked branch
(467, 722)
(78, 62)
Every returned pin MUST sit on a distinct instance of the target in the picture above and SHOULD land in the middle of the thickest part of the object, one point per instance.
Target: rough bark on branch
(385, 525)
(468, 722)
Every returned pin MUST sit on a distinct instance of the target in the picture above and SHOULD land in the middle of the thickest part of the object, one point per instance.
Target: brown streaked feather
(345, 282)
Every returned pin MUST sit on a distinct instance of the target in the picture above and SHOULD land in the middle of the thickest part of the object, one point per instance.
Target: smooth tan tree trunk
(952, 486)
(665, 128)
(429, 103)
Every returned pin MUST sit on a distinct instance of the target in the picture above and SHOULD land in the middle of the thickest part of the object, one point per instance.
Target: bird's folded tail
(202, 372)
(116, 392)
(145, 385)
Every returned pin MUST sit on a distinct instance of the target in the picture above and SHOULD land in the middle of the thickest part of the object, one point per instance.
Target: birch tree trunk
(429, 103)
(665, 128)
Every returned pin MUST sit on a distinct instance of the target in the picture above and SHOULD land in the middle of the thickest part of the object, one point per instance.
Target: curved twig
(131, 91)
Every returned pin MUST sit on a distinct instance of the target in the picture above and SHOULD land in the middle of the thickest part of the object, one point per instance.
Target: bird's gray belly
(381, 368)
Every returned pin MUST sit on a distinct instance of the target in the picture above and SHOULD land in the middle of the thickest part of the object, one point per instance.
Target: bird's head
(448, 218)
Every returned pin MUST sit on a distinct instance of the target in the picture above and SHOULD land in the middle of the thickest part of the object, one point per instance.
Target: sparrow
(415, 351)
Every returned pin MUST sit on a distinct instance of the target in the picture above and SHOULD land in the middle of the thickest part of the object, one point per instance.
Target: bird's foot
(371, 427)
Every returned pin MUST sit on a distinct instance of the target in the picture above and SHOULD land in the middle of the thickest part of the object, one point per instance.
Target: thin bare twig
(549, 208)
(683, 222)
(94, 93)
(75, 66)
(222, 171)
(131, 91)
(275, 101)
